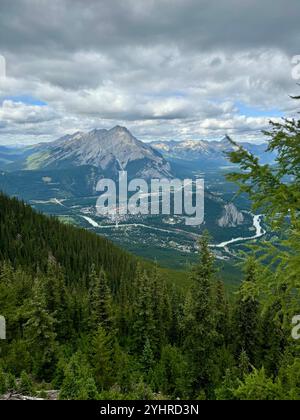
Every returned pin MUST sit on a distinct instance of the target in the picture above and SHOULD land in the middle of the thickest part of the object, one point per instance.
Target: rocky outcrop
(14, 396)
(231, 217)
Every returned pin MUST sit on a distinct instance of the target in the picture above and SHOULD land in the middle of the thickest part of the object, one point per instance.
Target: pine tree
(124, 308)
(147, 359)
(162, 311)
(257, 386)
(198, 322)
(176, 306)
(222, 316)
(3, 387)
(57, 299)
(52, 285)
(143, 327)
(40, 332)
(25, 386)
(172, 375)
(11, 383)
(100, 300)
(289, 377)
(78, 383)
(247, 315)
(226, 392)
(244, 365)
(102, 358)
(274, 339)
(275, 191)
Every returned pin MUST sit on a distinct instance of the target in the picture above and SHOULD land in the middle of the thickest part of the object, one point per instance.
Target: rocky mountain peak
(109, 150)
(119, 129)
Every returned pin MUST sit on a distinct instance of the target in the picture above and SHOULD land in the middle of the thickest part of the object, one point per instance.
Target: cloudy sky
(166, 69)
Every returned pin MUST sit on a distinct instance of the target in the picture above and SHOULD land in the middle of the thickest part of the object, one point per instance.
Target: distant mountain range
(110, 151)
(208, 152)
(107, 150)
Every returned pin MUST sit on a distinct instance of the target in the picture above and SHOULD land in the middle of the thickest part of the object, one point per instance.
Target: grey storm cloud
(164, 68)
(196, 24)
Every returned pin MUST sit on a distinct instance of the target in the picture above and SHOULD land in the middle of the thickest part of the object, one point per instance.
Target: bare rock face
(231, 217)
(109, 150)
(18, 397)
(14, 396)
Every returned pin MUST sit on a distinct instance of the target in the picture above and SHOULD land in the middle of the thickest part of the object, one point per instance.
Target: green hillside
(94, 322)
(28, 239)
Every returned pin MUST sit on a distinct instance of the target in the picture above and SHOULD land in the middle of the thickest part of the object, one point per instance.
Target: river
(257, 220)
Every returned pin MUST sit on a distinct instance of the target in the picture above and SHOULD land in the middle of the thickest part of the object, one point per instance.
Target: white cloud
(19, 113)
(175, 71)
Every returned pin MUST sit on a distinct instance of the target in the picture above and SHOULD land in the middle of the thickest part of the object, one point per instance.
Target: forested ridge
(29, 239)
(93, 322)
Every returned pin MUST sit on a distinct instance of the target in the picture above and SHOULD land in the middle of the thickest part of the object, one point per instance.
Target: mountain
(108, 150)
(11, 155)
(209, 152)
